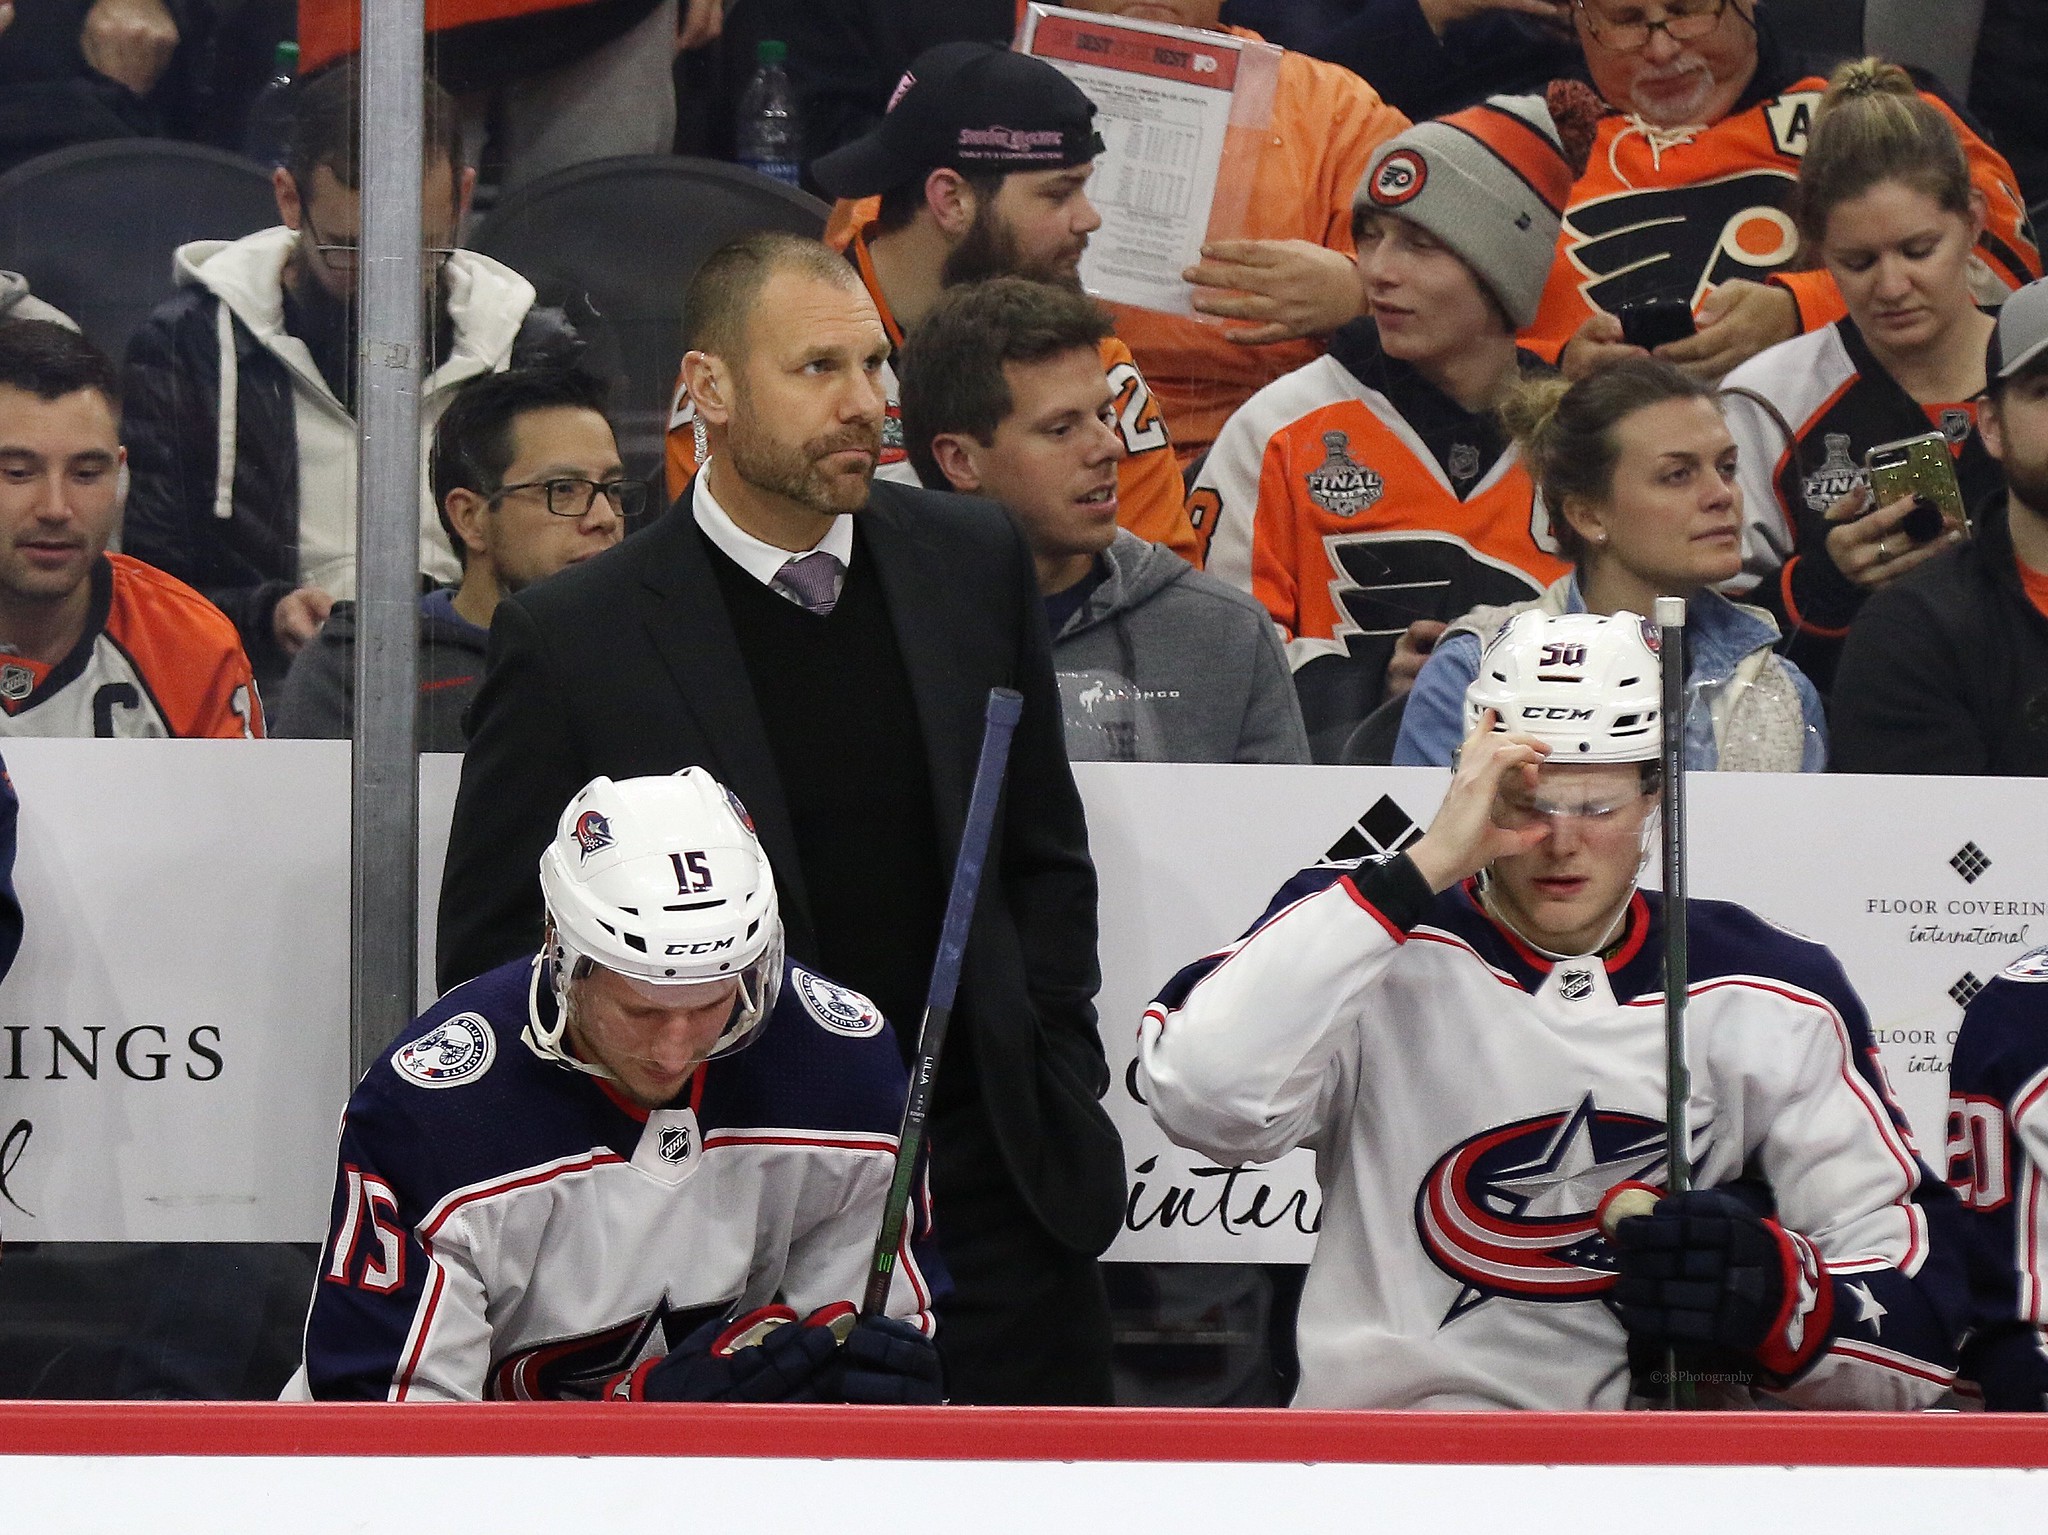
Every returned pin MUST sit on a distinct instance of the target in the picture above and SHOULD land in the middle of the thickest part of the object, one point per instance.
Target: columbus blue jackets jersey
(506, 1227)
(1998, 1166)
(1469, 1102)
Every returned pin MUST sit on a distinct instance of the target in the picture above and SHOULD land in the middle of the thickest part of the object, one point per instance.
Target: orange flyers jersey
(1674, 215)
(1326, 124)
(329, 29)
(156, 659)
(1324, 502)
(1149, 490)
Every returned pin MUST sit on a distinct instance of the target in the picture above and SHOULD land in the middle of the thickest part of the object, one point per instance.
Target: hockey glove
(765, 1356)
(1702, 1271)
(890, 1363)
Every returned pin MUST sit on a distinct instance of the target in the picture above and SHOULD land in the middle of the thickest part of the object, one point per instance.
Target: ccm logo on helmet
(708, 946)
(1555, 712)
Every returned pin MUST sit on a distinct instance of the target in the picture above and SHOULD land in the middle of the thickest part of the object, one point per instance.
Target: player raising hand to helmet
(648, 1162)
(1470, 1036)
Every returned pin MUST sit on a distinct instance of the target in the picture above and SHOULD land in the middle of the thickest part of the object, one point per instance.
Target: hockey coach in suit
(824, 644)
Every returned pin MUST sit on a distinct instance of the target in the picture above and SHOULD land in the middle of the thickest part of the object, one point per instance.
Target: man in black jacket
(825, 646)
(1946, 671)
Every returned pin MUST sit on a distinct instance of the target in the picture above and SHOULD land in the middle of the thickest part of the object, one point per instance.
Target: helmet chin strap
(545, 1040)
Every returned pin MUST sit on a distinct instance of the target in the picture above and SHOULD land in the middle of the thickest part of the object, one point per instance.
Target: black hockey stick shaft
(1670, 614)
(1004, 709)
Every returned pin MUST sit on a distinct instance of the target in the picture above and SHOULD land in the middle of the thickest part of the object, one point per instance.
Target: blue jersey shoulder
(2003, 1042)
(1724, 939)
(460, 1099)
(825, 1060)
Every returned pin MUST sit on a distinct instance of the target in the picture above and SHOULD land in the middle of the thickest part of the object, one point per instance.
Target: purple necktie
(813, 579)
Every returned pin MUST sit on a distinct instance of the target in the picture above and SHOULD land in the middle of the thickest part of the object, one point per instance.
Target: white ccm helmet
(663, 881)
(1588, 686)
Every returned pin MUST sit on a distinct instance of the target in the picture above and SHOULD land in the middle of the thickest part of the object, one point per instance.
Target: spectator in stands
(1684, 197)
(1638, 470)
(92, 643)
(242, 388)
(72, 71)
(17, 303)
(1382, 464)
(825, 642)
(528, 478)
(1885, 200)
(1290, 276)
(1004, 395)
(553, 82)
(1947, 670)
(1427, 57)
(953, 209)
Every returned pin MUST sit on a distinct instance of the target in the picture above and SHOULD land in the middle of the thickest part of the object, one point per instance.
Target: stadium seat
(623, 237)
(1941, 39)
(93, 227)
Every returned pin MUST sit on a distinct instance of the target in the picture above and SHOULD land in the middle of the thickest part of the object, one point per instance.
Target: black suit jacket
(628, 665)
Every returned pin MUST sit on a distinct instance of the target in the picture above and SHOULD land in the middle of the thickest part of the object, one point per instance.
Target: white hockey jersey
(1469, 1103)
(506, 1227)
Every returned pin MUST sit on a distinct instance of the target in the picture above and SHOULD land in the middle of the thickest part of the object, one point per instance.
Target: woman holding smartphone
(1886, 204)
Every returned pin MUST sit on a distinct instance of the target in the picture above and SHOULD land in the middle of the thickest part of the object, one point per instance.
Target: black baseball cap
(974, 108)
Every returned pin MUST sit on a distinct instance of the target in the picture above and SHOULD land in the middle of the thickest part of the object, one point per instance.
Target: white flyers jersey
(506, 1227)
(1469, 1103)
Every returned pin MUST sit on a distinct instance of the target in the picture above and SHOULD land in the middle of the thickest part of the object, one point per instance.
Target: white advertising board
(173, 1039)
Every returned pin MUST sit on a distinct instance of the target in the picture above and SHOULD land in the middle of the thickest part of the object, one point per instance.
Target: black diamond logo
(1386, 828)
(1970, 862)
(1965, 989)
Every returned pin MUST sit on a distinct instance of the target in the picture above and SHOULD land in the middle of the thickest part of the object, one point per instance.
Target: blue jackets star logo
(1510, 1211)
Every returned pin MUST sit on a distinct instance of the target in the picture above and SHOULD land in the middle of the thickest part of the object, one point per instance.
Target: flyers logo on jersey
(1681, 242)
(1399, 178)
(1511, 1211)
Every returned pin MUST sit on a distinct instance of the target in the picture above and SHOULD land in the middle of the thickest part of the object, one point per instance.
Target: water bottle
(267, 137)
(770, 140)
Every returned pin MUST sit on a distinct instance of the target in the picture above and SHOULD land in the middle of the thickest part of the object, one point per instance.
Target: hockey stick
(1670, 613)
(1004, 707)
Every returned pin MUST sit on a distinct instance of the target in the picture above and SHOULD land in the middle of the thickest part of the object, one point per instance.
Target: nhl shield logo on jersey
(16, 682)
(456, 1050)
(1340, 484)
(1834, 479)
(1511, 1212)
(593, 834)
(837, 1008)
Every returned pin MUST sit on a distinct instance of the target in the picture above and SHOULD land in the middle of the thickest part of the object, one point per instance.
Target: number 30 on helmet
(662, 881)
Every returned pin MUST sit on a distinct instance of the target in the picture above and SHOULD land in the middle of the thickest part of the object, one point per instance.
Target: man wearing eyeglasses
(241, 388)
(527, 477)
(1685, 199)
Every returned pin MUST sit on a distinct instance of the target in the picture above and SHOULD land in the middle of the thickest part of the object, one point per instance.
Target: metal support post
(384, 889)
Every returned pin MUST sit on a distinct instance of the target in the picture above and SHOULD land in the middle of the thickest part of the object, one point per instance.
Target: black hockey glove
(890, 1363)
(765, 1356)
(1704, 1274)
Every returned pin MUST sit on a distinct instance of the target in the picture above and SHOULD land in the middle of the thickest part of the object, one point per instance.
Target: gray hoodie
(1165, 664)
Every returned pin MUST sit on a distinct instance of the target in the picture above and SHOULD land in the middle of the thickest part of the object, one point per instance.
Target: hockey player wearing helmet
(1470, 1036)
(649, 1162)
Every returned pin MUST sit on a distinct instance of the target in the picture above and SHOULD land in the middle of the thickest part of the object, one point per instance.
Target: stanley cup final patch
(456, 1050)
(837, 1009)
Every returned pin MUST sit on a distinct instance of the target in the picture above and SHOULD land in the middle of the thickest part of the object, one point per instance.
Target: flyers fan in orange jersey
(156, 659)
